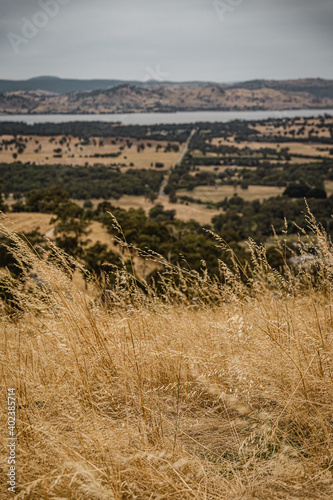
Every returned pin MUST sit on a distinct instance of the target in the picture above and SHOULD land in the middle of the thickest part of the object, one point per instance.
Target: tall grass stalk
(102, 384)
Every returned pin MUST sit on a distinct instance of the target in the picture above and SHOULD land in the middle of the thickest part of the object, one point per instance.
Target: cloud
(189, 39)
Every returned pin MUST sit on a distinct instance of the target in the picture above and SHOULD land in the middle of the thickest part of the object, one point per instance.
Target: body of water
(169, 118)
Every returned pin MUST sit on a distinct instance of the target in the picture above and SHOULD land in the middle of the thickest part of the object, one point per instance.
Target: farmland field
(218, 193)
(302, 128)
(126, 152)
(295, 148)
(183, 212)
(28, 222)
(135, 167)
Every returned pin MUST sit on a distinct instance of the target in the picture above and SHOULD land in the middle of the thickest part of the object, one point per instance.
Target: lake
(169, 118)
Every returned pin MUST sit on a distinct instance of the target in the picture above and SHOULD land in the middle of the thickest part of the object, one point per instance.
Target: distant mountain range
(60, 85)
(50, 95)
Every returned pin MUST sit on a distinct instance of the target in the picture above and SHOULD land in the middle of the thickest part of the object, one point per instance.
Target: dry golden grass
(218, 193)
(227, 397)
(28, 221)
(202, 215)
(309, 125)
(98, 233)
(23, 221)
(295, 148)
(184, 212)
(79, 154)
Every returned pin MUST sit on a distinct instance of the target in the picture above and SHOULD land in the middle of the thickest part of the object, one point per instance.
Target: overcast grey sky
(216, 40)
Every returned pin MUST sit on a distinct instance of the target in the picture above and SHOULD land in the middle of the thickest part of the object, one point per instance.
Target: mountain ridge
(136, 97)
(69, 85)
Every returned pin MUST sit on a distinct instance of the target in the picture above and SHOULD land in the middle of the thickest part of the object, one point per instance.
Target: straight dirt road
(180, 159)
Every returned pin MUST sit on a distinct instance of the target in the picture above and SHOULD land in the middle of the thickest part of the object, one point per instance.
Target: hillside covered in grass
(204, 389)
(132, 97)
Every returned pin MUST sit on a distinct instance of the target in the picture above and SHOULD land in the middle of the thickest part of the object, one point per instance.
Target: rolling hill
(48, 96)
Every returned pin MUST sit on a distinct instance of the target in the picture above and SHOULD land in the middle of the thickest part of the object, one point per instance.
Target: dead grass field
(313, 149)
(308, 125)
(75, 153)
(153, 398)
(218, 193)
(27, 222)
(97, 232)
(184, 212)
